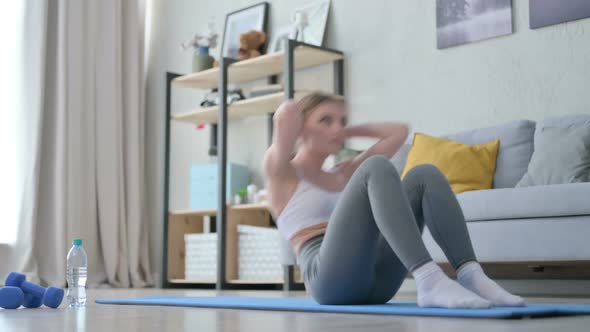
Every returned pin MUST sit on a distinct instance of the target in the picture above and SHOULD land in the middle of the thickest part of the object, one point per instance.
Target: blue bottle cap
(77, 242)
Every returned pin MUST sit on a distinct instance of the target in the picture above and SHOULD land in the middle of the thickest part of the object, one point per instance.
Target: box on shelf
(204, 183)
(259, 253)
(201, 256)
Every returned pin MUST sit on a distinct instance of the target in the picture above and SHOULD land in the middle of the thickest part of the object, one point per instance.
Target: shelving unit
(240, 109)
(193, 221)
(224, 219)
(263, 66)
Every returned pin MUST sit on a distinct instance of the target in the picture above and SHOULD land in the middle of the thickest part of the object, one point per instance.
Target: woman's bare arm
(287, 125)
(391, 135)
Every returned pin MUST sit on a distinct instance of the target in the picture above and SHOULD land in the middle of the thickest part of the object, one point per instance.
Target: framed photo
(465, 21)
(315, 16)
(276, 44)
(240, 21)
(548, 12)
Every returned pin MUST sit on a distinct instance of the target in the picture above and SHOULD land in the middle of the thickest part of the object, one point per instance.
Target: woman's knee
(378, 163)
(425, 171)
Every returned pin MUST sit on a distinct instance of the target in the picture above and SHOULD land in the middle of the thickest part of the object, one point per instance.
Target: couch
(517, 232)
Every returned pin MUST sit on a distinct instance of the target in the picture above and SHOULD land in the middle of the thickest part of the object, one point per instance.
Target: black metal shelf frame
(218, 143)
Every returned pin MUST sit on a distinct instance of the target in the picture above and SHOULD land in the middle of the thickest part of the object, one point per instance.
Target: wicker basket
(201, 256)
(259, 254)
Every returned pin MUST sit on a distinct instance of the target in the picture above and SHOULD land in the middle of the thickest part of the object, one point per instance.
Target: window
(11, 186)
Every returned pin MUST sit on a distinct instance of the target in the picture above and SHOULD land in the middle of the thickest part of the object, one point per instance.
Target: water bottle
(76, 275)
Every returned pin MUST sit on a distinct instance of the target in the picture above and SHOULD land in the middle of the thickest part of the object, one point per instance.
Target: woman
(375, 219)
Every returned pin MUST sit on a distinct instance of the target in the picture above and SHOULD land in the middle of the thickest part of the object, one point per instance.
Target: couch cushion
(516, 148)
(561, 121)
(551, 239)
(526, 202)
(562, 155)
(466, 167)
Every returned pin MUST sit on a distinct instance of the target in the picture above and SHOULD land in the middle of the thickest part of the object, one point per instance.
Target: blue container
(204, 183)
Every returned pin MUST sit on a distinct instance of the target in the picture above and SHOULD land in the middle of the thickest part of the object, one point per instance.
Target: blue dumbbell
(11, 297)
(30, 301)
(35, 294)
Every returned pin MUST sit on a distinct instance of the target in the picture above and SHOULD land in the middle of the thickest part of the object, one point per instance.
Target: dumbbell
(30, 301)
(11, 297)
(35, 295)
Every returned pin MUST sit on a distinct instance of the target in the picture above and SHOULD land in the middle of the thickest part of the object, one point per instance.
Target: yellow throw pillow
(467, 167)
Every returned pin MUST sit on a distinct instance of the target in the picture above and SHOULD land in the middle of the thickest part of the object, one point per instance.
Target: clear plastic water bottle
(76, 275)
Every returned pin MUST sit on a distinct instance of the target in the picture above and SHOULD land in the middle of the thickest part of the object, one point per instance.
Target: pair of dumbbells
(19, 292)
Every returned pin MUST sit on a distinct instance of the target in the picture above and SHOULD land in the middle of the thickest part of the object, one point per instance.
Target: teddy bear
(250, 44)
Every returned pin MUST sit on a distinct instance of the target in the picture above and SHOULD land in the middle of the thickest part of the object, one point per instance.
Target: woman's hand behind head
(289, 112)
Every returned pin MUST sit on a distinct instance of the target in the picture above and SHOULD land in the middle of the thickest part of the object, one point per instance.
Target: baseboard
(547, 270)
(550, 278)
(532, 288)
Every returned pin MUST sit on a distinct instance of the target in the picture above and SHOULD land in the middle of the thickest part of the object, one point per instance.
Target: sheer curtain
(22, 29)
(11, 35)
(83, 146)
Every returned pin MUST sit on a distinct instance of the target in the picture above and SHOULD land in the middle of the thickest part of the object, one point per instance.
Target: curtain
(26, 92)
(88, 178)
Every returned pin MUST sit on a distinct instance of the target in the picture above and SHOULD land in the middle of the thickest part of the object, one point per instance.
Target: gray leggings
(374, 234)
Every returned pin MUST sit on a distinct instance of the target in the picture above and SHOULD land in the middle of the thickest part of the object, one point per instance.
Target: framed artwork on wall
(549, 12)
(276, 43)
(311, 20)
(465, 21)
(240, 21)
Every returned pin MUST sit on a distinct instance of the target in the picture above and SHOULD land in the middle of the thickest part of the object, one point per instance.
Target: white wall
(393, 72)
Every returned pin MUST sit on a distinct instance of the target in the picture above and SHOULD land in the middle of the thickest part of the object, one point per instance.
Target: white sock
(471, 276)
(436, 289)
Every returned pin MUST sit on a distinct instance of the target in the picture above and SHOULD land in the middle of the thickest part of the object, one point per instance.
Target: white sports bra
(310, 205)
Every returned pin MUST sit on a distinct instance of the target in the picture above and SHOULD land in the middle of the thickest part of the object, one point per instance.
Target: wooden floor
(113, 318)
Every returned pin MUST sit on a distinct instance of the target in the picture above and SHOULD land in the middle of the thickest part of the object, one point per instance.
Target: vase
(201, 59)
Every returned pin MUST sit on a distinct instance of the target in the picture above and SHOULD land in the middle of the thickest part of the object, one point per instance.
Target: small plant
(208, 40)
(242, 192)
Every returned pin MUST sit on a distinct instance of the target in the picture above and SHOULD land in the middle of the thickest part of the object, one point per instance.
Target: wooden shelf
(201, 212)
(194, 281)
(240, 109)
(213, 212)
(259, 67)
(255, 206)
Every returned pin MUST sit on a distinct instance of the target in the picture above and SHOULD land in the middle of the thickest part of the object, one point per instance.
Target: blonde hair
(310, 102)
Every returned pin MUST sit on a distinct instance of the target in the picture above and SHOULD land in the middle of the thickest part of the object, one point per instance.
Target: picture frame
(315, 18)
(461, 22)
(544, 13)
(254, 17)
(276, 44)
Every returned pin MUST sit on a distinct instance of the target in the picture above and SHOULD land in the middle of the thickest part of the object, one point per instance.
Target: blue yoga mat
(391, 308)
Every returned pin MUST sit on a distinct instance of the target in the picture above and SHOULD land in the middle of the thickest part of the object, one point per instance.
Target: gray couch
(541, 230)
